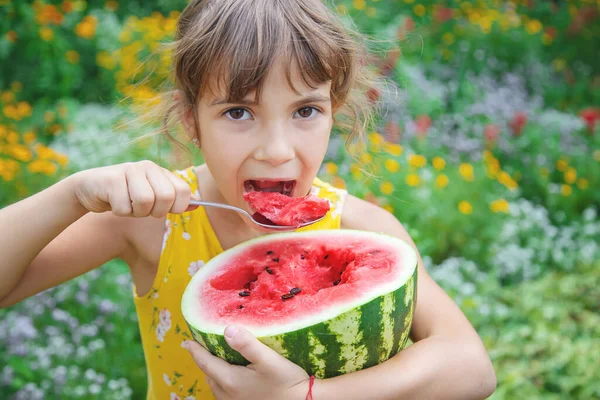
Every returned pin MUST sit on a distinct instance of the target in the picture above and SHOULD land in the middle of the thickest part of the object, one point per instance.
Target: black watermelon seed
(337, 282)
(295, 291)
(325, 258)
(269, 252)
(302, 256)
(287, 296)
(276, 259)
(240, 306)
(269, 270)
(245, 293)
(247, 285)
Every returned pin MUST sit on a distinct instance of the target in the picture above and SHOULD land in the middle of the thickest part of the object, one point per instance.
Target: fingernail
(230, 331)
(191, 208)
(186, 344)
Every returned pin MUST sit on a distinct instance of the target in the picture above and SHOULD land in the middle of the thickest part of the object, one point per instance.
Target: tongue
(261, 185)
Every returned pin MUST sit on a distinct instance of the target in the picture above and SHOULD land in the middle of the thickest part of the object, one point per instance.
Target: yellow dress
(188, 242)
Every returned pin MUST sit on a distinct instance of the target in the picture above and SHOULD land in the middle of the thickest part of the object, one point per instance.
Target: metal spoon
(257, 218)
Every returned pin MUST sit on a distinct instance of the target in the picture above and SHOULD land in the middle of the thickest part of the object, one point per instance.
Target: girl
(258, 84)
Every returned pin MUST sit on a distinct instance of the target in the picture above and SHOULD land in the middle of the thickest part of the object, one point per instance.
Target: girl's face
(275, 145)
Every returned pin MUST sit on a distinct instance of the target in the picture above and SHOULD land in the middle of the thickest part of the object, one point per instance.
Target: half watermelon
(331, 301)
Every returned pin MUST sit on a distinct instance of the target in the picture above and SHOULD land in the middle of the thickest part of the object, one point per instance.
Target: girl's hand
(269, 376)
(136, 189)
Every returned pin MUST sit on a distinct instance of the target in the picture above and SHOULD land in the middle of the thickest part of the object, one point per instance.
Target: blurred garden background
(487, 149)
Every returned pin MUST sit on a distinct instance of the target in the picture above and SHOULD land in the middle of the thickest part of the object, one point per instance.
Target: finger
(216, 390)
(118, 197)
(164, 191)
(259, 354)
(215, 368)
(183, 193)
(140, 191)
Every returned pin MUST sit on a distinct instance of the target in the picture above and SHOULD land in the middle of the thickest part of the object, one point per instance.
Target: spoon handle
(218, 205)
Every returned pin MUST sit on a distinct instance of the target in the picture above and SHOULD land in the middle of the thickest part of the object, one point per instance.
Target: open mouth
(284, 187)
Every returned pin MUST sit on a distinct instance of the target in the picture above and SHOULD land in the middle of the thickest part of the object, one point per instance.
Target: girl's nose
(275, 147)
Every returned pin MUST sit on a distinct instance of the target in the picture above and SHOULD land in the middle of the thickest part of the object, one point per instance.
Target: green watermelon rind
(357, 338)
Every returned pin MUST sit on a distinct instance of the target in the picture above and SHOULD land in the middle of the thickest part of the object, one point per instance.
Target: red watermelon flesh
(285, 210)
(285, 280)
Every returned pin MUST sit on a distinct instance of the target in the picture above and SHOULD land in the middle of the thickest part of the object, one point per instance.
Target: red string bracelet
(310, 386)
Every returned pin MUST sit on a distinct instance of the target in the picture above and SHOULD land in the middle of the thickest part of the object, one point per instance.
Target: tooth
(287, 187)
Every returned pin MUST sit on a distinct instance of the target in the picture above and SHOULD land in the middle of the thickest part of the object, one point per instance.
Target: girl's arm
(447, 360)
(69, 229)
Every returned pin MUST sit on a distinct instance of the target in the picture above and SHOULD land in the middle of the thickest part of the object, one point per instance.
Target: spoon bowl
(257, 218)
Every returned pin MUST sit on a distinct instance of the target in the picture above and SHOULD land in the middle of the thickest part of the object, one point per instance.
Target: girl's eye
(306, 112)
(238, 114)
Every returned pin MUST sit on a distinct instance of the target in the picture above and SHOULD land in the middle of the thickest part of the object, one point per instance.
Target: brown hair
(230, 46)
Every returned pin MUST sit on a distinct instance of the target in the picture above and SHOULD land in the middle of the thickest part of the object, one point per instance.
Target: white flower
(190, 398)
(183, 173)
(166, 234)
(167, 379)
(160, 333)
(195, 266)
(165, 319)
(174, 396)
(186, 236)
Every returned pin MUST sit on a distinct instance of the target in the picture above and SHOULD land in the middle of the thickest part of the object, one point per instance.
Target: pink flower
(491, 133)
(518, 123)
(590, 116)
(423, 123)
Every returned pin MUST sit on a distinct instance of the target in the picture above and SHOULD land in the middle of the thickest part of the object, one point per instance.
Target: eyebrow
(312, 98)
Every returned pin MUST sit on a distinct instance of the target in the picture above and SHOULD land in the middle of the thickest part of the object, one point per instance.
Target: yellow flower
(448, 38)
(466, 171)
(507, 181)
(46, 34)
(45, 153)
(417, 161)
(8, 97)
(336, 181)
(355, 171)
(419, 10)
(388, 208)
(566, 190)
(582, 183)
(29, 137)
(331, 168)
(570, 175)
(8, 169)
(534, 26)
(376, 140)
(87, 27)
(105, 60)
(42, 166)
(438, 163)
(72, 56)
(500, 205)
(393, 149)
(413, 180)
(465, 207)
(13, 137)
(387, 188)
(392, 165)
(359, 4)
(111, 5)
(24, 109)
(562, 165)
(16, 86)
(366, 158)
(442, 181)
(20, 152)
(371, 12)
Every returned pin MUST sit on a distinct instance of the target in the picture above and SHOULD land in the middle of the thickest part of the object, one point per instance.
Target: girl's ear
(187, 117)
